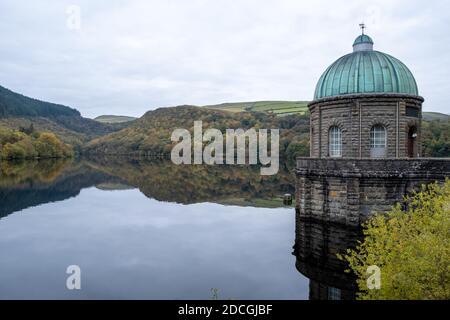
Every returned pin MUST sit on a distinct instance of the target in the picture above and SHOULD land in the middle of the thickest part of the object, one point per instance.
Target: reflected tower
(315, 249)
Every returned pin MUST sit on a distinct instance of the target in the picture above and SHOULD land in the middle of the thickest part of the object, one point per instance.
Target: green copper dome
(363, 39)
(365, 71)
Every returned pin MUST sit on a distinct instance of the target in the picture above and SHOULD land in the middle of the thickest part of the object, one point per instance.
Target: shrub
(19, 145)
(411, 248)
(12, 151)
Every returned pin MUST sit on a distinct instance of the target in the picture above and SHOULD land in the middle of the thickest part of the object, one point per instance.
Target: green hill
(150, 135)
(431, 116)
(280, 108)
(14, 104)
(18, 112)
(114, 119)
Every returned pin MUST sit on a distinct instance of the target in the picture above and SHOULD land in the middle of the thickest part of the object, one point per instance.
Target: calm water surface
(143, 230)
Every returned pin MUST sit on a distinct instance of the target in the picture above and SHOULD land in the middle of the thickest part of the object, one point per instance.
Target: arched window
(335, 142)
(378, 141)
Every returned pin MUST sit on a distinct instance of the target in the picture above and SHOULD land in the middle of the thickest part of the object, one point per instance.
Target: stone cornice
(435, 168)
(368, 97)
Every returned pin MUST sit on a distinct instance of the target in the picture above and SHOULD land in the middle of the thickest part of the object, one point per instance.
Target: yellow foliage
(410, 246)
(19, 145)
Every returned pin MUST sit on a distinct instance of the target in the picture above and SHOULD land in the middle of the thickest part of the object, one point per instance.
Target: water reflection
(315, 249)
(165, 181)
(30, 183)
(165, 231)
(161, 233)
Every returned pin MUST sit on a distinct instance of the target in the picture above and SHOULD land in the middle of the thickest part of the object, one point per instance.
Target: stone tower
(365, 140)
(366, 105)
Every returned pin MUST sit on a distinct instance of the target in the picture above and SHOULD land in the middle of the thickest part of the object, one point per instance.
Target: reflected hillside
(30, 183)
(23, 173)
(165, 181)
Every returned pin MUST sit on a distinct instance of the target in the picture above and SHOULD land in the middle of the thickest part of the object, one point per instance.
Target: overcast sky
(128, 57)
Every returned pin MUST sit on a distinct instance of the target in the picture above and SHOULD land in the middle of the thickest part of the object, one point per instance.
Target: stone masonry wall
(348, 191)
(355, 115)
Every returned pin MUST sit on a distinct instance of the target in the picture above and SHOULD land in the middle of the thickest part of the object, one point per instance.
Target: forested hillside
(151, 134)
(18, 111)
(16, 105)
(436, 138)
(431, 116)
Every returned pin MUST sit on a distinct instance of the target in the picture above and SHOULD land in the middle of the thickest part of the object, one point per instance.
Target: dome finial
(362, 25)
(363, 42)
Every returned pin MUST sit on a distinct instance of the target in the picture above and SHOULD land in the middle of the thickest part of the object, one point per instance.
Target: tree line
(27, 143)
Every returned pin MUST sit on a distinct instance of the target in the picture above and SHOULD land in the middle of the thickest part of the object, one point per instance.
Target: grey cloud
(130, 57)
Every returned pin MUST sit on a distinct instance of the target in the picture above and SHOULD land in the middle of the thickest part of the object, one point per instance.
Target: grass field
(280, 108)
(114, 119)
(284, 108)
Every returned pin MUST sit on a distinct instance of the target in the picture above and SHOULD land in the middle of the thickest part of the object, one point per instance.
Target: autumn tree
(410, 246)
(19, 145)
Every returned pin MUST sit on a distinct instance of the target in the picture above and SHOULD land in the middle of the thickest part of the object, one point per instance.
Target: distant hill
(150, 135)
(430, 116)
(280, 108)
(283, 108)
(18, 111)
(114, 119)
(14, 104)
